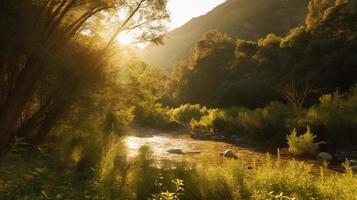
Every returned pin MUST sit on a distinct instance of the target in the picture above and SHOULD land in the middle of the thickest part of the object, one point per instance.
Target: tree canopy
(221, 72)
(56, 53)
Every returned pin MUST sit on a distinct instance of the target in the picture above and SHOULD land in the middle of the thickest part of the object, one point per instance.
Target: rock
(324, 156)
(175, 151)
(229, 154)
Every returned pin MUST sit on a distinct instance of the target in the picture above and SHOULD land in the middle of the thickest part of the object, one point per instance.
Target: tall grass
(209, 178)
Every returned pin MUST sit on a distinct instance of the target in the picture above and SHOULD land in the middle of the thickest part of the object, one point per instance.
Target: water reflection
(160, 144)
(192, 149)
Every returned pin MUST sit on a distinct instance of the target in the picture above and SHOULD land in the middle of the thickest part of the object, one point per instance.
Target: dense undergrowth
(32, 175)
(333, 120)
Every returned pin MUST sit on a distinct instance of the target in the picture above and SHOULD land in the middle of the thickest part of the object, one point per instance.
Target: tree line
(223, 72)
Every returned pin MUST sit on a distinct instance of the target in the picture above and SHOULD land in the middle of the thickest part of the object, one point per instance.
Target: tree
(322, 52)
(52, 51)
(207, 68)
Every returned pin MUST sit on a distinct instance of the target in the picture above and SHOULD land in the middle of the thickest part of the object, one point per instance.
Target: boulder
(175, 151)
(324, 156)
(229, 154)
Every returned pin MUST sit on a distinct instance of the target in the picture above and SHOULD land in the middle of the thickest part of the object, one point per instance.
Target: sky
(181, 12)
(184, 10)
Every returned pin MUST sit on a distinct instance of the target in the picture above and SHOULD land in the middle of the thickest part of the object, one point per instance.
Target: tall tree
(50, 45)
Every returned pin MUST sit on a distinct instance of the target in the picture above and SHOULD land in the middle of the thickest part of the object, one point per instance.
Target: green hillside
(245, 19)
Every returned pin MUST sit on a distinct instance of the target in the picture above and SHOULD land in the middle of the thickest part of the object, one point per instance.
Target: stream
(161, 142)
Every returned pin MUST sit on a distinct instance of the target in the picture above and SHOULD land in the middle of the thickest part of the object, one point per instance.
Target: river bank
(200, 170)
(194, 147)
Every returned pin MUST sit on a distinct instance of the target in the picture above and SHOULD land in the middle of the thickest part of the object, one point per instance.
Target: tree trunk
(16, 102)
(48, 123)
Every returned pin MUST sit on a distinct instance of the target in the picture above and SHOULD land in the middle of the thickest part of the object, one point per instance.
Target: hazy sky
(183, 10)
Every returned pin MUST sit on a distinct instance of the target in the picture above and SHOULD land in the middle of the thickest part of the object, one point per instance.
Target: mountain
(243, 19)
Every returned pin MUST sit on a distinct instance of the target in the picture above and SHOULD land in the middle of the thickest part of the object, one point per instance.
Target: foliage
(250, 73)
(267, 124)
(208, 67)
(335, 118)
(153, 115)
(302, 144)
(171, 195)
(208, 178)
(214, 121)
(55, 55)
(185, 113)
(245, 19)
(62, 87)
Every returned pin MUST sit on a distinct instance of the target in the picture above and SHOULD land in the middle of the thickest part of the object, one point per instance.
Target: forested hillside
(222, 71)
(245, 19)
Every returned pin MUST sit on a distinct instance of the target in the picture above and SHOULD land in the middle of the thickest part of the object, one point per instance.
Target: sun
(130, 39)
(126, 38)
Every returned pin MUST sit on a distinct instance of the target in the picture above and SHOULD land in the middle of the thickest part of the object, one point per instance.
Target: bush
(303, 144)
(185, 113)
(152, 115)
(335, 119)
(267, 124)
(216, 120)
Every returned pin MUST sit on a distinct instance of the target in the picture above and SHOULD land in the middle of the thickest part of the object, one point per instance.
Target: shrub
(303, 144)
(185, 113)
(215, 121)
(278, 119)
(335, 119)
(267, 124)
(263, 124)
(251, 122)
(117, 121)
(152, 115)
